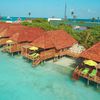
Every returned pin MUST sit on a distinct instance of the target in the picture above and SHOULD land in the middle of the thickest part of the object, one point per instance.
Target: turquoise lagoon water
(19, 81)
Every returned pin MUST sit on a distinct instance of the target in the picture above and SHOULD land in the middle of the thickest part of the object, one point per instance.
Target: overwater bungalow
(21, 38)
(38, 47)
(90, 66)
(53, 44)
(8, 31)
(65, 44)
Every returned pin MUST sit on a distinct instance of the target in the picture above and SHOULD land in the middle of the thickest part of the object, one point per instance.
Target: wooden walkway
(48, 54)
(14, 48)
(3, 41)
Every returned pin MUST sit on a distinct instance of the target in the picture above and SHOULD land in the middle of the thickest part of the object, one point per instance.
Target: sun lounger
(34, 55)
(85, 71)
(93, 73)
(37, 55)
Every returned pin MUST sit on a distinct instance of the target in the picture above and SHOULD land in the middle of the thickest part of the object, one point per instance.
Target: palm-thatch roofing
(43, 41)
(8, 31)
(28, 34)
(61, 39)
(92, 53)
(58, 39)
(34, 33)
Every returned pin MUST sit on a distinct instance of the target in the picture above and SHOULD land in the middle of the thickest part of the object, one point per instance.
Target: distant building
(54, 19)
(9, 22)
(80, 28)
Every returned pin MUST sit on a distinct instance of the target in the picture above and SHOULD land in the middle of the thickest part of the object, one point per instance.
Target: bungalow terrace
(64, 43)
(52, 44)
(21, 38)
(90, 67)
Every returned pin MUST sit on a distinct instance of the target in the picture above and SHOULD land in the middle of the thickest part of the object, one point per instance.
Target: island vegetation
(86, 38)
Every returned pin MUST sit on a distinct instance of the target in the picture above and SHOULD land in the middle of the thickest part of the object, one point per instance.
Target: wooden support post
(97, 86)
(18, 53)
(27, 59)
(33, 64)
(54, 59)
(87, 82)
(12, 54)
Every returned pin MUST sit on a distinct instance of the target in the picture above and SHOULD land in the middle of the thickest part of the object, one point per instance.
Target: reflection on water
(19, 81)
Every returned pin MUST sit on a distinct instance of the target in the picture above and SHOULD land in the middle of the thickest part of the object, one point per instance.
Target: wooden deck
(3, 41)
(14, 48)
(77, 73)
(48, 54)
(44, 55)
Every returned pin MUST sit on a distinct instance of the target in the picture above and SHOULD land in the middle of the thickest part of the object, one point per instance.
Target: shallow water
(19, 81)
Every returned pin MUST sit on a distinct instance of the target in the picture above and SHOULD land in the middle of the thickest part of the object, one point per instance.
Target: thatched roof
(58, 39)
(92, 53)
(61, 39)
(43, 42)
(2, 27)
(28, 34)
(34, 33)
(8, 31)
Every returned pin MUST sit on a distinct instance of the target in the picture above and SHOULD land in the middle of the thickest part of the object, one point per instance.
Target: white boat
(8, 18)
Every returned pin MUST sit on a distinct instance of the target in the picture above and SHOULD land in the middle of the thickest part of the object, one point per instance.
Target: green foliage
(39, 20)
(87, 38)
(26, 23)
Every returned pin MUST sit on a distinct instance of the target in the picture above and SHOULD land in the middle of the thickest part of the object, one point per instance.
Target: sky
(49, 8)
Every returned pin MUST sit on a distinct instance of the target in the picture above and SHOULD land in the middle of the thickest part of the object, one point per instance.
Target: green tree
(29, 14)
(93, 19)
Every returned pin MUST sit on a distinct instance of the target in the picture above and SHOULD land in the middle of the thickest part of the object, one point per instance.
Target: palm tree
(72, 13)
(29, 14)
(98, 18)
(93, 19)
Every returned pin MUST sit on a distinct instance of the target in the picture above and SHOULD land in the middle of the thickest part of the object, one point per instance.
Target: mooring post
(18, 53)
(87, 82)
(97, 85)
(12, 54)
